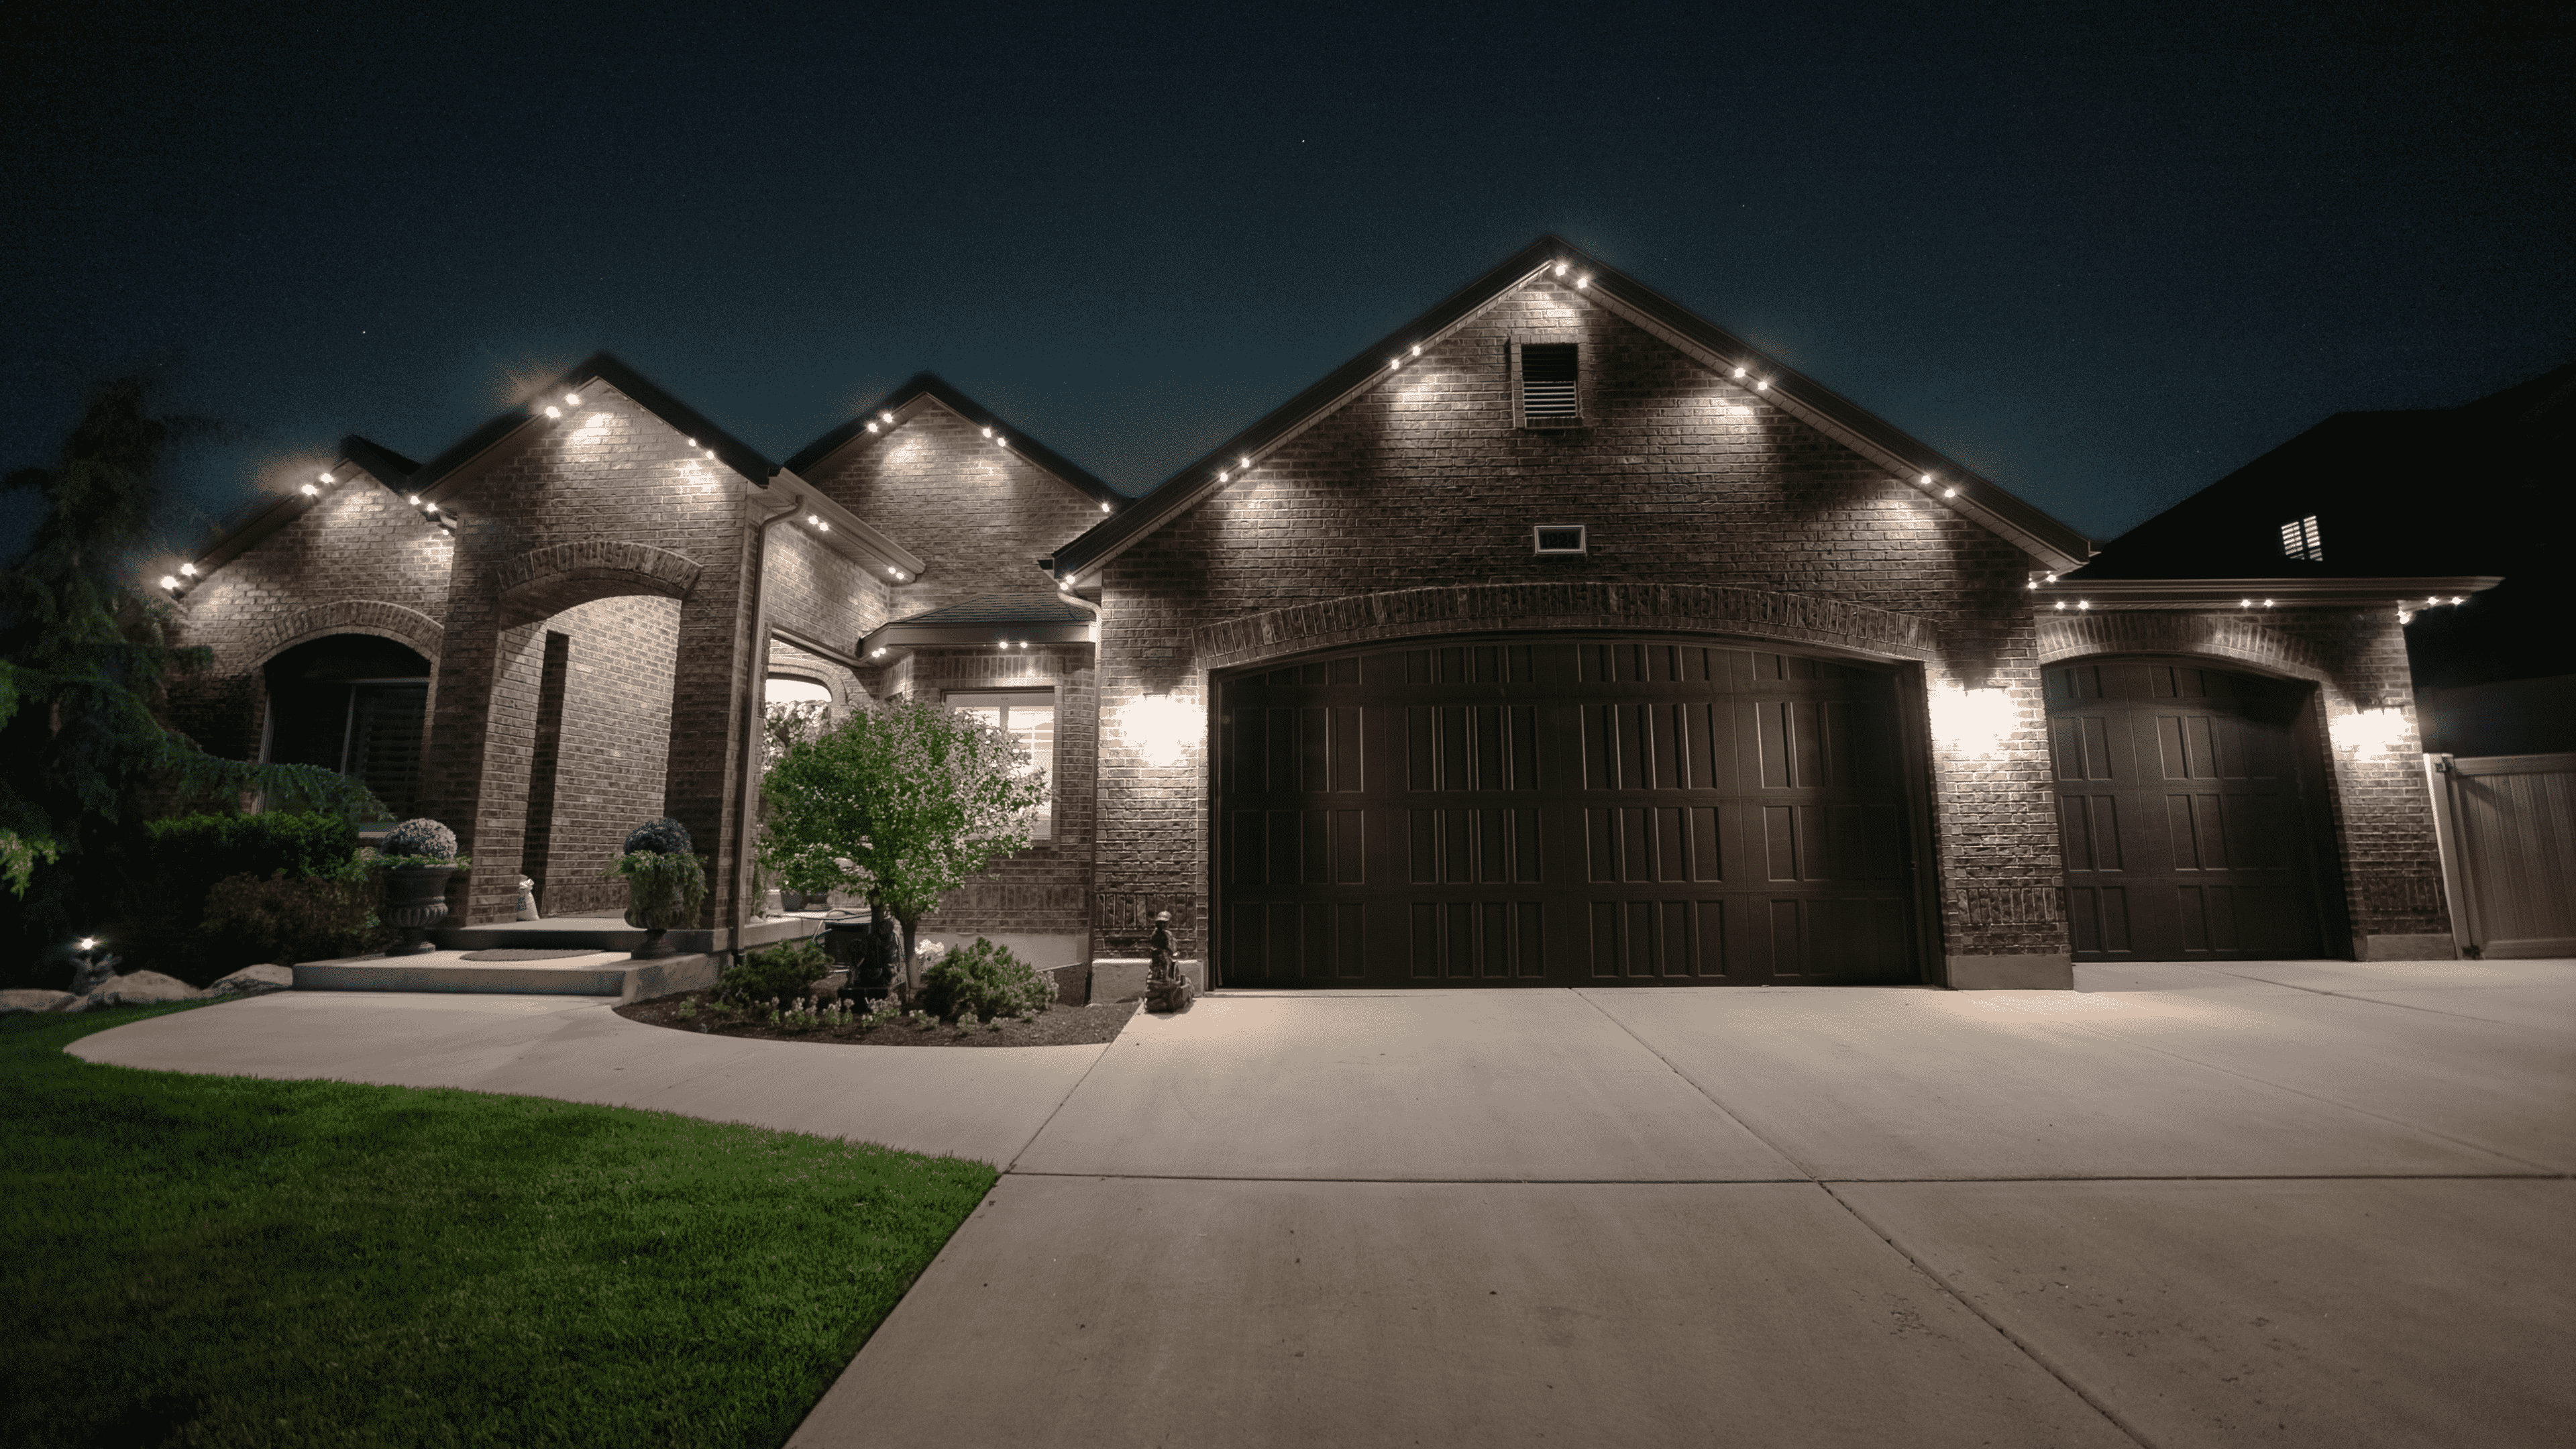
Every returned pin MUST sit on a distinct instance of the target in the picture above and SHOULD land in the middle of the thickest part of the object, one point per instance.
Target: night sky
(2101, 254)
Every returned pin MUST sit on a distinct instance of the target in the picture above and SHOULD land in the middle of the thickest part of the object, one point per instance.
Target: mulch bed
(1057, 1026)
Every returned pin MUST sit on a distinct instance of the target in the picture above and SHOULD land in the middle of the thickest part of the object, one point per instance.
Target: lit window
(1549, 371)
(2300, 539)
(1028, 718)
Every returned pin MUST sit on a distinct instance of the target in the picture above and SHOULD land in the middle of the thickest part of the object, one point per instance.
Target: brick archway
(2223, 638)
(545, 582)
(344, 616)
(1484, 608)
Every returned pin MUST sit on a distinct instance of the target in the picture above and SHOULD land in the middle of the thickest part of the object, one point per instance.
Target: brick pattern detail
(979, 514)
(1710, 511)
(1413, 613)
(546, 581)
(359, 561)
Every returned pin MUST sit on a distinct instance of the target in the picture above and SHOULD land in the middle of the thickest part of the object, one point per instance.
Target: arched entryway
(1546, 810)
(2189, 807)
(353, 703)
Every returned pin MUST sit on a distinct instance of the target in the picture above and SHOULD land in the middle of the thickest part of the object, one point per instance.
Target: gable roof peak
(929, 388)
(2052, 543)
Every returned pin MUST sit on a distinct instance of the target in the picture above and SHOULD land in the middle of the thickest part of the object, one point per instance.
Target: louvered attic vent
(2300, 539)
(1548, 372)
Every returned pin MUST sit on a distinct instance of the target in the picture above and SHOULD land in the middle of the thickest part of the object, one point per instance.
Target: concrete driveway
(2306, 1203)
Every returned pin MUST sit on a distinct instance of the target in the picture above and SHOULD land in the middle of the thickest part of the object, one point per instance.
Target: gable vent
(1559, 540)
(2300, 539)
(1548, 371)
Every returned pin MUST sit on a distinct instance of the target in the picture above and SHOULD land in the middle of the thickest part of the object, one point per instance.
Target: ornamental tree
(902, 803)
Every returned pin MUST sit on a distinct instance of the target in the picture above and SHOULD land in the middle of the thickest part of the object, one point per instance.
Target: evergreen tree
(86, 656)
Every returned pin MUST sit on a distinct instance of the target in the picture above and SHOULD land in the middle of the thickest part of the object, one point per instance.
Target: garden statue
(1166, 989)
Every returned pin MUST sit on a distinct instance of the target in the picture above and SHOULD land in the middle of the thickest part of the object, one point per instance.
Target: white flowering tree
(901, 803)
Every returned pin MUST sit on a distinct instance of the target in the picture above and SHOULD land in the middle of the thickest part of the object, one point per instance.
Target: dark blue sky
(2102, 254)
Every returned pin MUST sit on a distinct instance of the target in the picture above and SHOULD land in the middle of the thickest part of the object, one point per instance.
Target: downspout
(747, 806)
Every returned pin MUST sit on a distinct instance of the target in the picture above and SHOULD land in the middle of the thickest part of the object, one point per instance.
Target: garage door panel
(1510, 788)
(2200, 809)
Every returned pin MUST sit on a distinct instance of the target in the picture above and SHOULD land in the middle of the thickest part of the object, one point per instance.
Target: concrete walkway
(2306, 1203)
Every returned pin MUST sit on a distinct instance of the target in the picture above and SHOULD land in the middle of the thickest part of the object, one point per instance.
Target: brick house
(1560, 637)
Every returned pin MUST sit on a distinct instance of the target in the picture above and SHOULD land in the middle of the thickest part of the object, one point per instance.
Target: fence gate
(2508, 831)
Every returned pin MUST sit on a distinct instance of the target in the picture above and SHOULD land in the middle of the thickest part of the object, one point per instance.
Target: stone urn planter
(665, 885)
(419, 857)
(415, 901)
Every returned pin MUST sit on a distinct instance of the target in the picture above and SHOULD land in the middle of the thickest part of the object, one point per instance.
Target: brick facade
(598, 658)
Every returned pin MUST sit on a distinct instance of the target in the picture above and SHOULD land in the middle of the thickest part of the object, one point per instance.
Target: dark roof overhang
(2050, 542)
(2230, 595)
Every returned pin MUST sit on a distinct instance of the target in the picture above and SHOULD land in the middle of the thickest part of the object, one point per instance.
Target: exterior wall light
(1247, 460)
(1393, 363)
(2369, 731)
(1582, 282)
(1739, 372)
(1949, 492)
(1763, 386)
(988, 432)
(1974, 722)
(872, 427)
(312, 492)
(1560, 269)
(188, 569)
(1163, 728)
(572, 399)
(1417, 349)
(1104, 508)
(169, 581)
(889, 417)
(2084, 603)
(327, 478)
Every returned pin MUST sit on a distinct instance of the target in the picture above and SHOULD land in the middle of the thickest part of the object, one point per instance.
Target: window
(1549, 371)
(2299, 539)
(1029, 718)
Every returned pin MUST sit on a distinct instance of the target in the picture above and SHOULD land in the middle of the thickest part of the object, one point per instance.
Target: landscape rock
(255, 981)
(141, 988)
(34, 1001)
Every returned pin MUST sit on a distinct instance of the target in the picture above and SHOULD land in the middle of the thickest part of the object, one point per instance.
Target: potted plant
(418, 857)
(665, 884)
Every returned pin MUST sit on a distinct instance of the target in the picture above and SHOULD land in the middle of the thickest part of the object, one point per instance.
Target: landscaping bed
(1056, 1026)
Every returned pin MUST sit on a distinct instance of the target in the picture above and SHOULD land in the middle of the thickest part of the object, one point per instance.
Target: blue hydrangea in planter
(418, 858)
(665, 884)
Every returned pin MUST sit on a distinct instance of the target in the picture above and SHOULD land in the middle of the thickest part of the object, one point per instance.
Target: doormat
(531, 954)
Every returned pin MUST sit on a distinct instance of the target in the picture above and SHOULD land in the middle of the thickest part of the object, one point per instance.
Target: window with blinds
(1028, 718)
(1549, 371)
(2300, 539)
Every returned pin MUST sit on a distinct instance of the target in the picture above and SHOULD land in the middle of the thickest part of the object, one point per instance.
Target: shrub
(665, 836)
(173, 866)
(287, 919)
(985, 980)
(662, 890)
(783, 971)
(422, 841)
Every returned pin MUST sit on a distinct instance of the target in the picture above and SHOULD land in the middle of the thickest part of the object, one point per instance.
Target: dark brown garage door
(1546, 811)
(2182, 811)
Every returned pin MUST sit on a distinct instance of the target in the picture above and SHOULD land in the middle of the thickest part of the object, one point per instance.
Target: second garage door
(1554, 810)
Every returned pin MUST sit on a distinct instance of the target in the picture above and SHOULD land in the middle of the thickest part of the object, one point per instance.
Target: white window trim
(1042, 828)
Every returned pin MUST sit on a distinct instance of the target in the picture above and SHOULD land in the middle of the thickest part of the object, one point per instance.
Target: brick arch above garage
(2219, 638)
(341, 616)
(546, 581)
(1419, 613)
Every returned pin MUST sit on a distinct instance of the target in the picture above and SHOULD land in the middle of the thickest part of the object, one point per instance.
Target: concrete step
(597, 973)
(611, 933)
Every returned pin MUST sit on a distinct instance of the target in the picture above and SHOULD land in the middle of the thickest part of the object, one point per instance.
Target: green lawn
(227, 1261)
